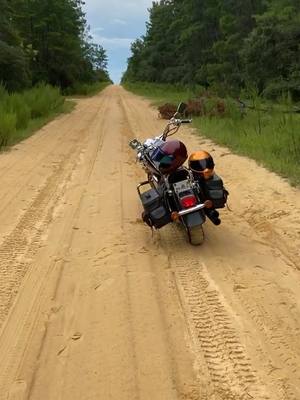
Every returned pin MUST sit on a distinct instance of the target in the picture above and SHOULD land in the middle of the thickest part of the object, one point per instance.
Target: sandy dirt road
(92, 306)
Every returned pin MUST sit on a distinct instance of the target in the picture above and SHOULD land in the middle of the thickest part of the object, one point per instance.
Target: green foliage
(272, 52)
(86, 89)
(18, 110)
(13, 67)
(15, 104)
(43, 100)
(221, 44)
(45, 45)
(7, 127)
(161, 93)
(13, 64)
(3, 93)
(47, 41)
(276, 144)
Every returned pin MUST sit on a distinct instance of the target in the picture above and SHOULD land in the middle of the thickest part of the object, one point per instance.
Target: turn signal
(174, 216)
(208, 204)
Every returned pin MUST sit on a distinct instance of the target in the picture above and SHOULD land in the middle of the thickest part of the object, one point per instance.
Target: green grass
(162, 93)
(21, 114)
(37, 123)
(86, 89)
(274, 141)
(271, 138)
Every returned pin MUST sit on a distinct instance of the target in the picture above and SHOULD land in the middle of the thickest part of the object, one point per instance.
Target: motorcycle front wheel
(195, 235)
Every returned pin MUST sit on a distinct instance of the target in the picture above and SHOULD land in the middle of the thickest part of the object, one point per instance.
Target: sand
(93, 306)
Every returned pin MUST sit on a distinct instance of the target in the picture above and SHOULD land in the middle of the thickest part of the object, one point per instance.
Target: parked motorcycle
(174, 192)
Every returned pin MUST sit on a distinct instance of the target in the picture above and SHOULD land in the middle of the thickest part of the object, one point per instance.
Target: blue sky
(115, 24)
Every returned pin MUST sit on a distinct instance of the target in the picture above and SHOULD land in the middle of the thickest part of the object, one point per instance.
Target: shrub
(43, 100)
(7, 127)
(3, 93)
(85, 89)
(195, 107)
(15, 104)
(17, 109)
(166, 111)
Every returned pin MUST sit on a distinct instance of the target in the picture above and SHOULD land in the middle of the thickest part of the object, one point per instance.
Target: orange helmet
(202, 163)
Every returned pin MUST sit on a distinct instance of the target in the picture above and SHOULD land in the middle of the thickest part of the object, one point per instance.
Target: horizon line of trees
(225, 44)
(47, 41)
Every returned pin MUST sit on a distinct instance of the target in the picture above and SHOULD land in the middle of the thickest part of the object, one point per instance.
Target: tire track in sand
(18, 251)
(218, 348)
(212, 330)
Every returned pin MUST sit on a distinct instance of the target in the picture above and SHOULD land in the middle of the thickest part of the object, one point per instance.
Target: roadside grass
(161, 93)
(21, 114)
(86, 89)
(271, 138)
(37, 123)
(273, 142)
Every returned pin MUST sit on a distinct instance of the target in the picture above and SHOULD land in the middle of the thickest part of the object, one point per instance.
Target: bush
(3, 93)
(7, 127)
(15, 104)
(195, 107)
(43, 100)
(86, 89)
(17, 109)
(166, 111)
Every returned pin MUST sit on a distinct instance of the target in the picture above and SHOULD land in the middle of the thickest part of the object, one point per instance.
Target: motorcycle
(176, 193)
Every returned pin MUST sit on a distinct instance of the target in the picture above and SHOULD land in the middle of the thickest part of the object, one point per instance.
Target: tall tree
(49, 39)
(14, 73)
(224, 43)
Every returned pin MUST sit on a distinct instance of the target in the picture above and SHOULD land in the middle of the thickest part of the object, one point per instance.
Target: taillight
(188, 201)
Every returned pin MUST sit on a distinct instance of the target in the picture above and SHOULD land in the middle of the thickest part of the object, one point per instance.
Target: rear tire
(196, 235)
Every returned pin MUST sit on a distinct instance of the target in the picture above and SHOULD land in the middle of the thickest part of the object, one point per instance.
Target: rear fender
(193, 219)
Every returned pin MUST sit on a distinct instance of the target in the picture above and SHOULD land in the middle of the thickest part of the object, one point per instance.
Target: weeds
(7, 127)
(272, 139)
(17, 110)
(86, 89)
(161, 93)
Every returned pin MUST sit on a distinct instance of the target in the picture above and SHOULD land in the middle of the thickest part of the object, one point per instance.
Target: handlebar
(186, 121)
(171, 128)
(176, 121)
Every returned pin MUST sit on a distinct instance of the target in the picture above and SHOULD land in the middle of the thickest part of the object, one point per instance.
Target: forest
(47, 41)
(227, 45)
(46, 52)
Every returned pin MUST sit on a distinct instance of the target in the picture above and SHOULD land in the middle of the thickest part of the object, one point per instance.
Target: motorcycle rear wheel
(195, 235)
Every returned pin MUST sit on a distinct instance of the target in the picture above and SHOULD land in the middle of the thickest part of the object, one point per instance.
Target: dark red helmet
(170, 156)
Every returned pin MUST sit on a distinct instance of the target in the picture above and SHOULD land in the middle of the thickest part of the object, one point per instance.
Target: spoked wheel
(196, 235)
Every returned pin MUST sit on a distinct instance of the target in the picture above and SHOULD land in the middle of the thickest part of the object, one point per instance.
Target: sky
(115, 24)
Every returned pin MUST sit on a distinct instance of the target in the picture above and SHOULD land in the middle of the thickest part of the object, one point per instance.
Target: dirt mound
(166, 111)
(206, 105)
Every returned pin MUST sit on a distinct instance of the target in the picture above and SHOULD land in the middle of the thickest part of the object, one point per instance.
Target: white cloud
(119, 21)
(113, 42)
(99, 29)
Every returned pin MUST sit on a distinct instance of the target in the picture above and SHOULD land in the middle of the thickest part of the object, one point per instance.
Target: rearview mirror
(181, 108)
(134, 144)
